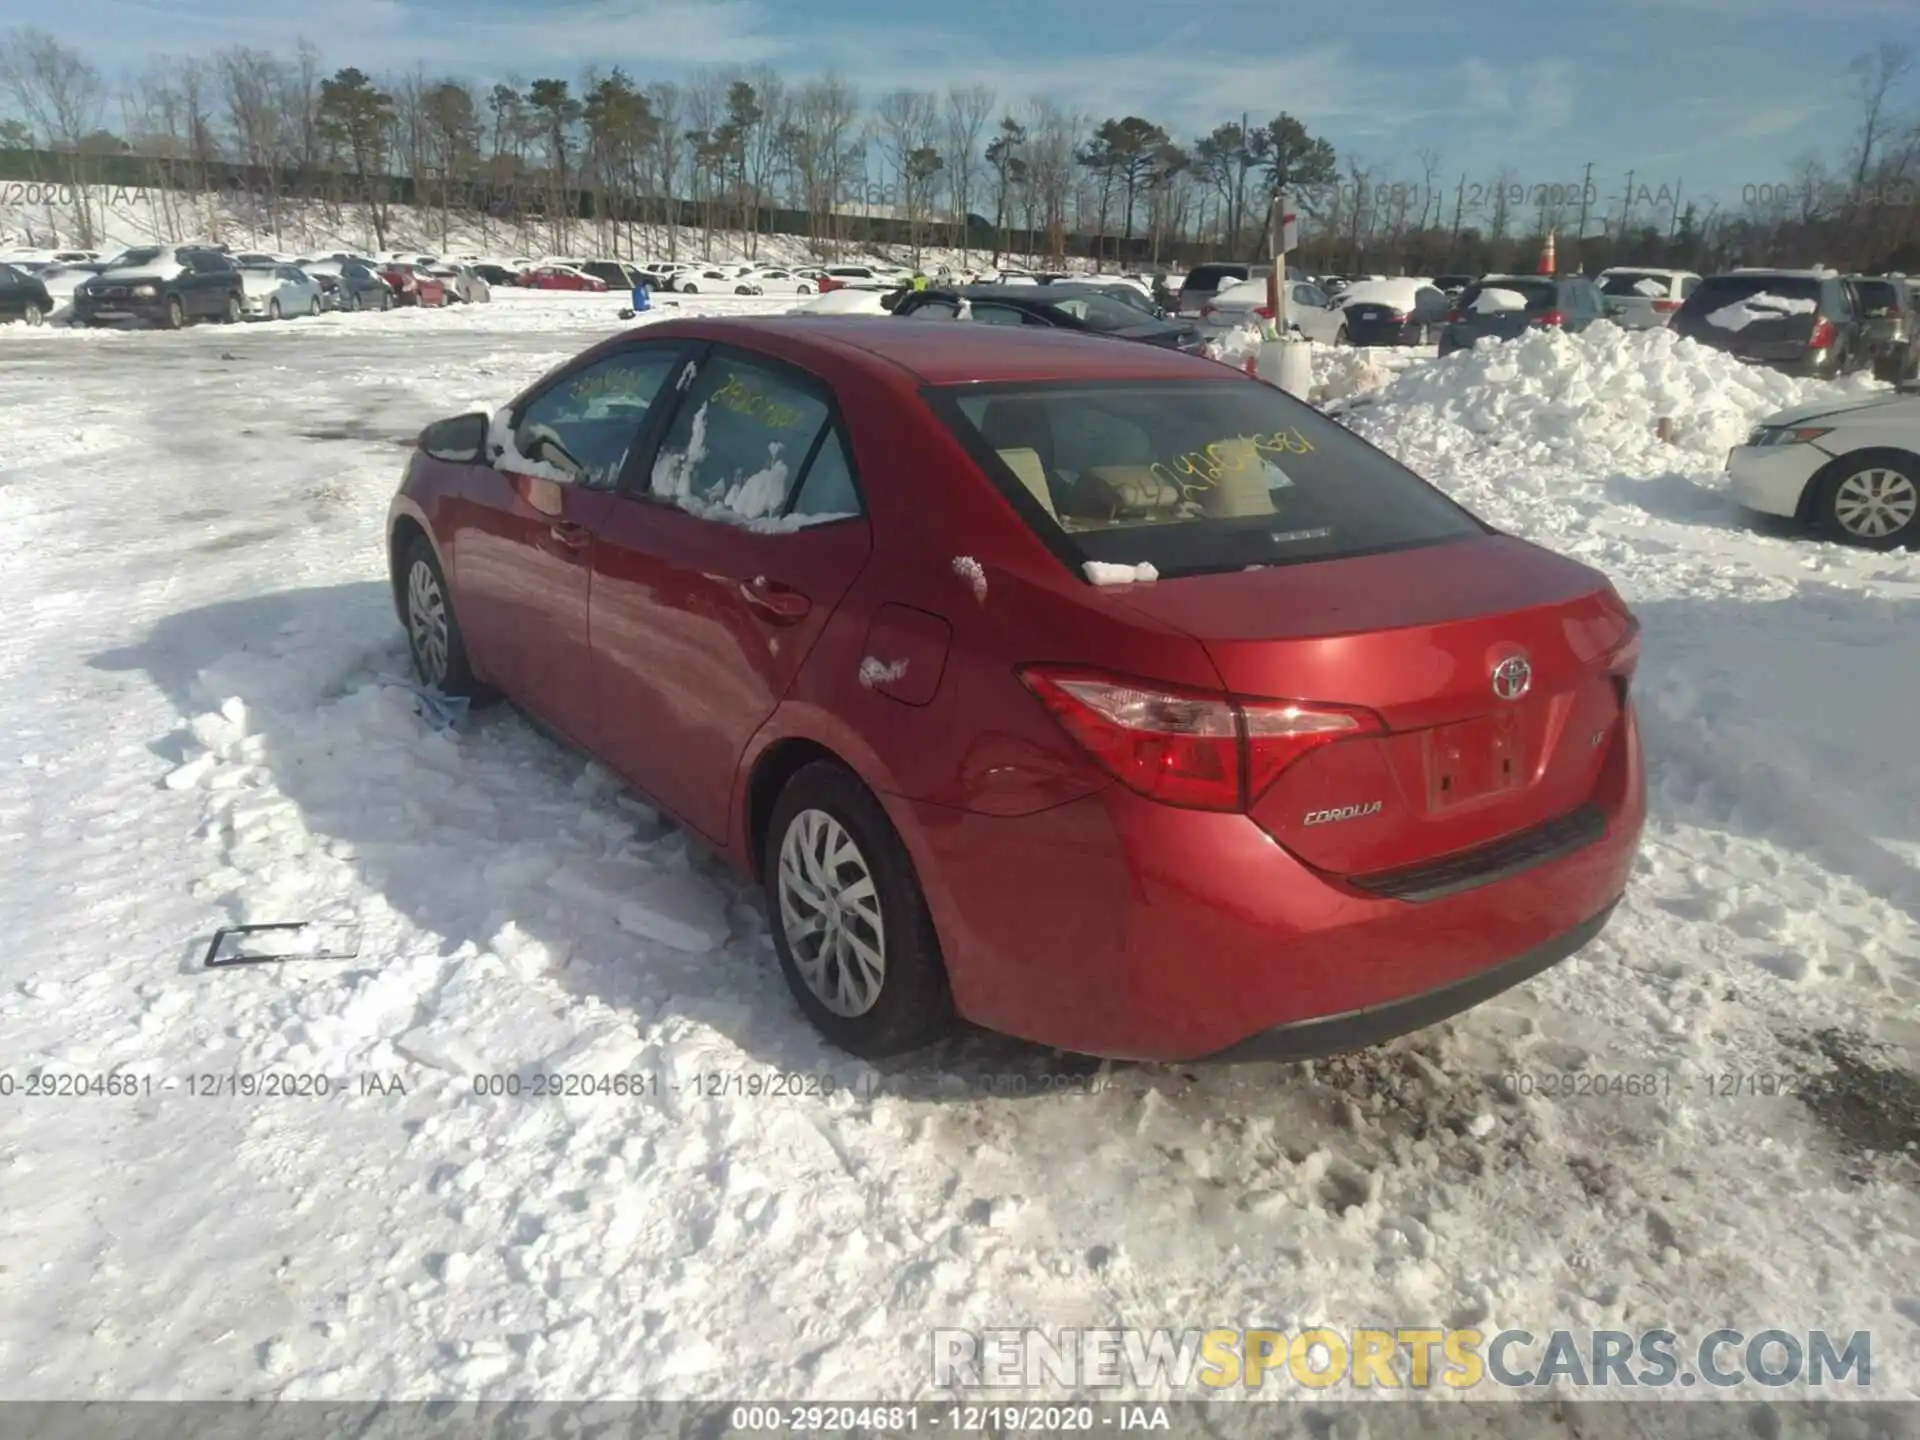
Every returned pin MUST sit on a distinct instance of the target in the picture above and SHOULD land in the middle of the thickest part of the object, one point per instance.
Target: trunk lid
(1416, 637)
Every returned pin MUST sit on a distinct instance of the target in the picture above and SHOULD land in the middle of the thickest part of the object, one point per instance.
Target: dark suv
(162, 285)
(1800, 321)
(1890, 331)
(1508, 306)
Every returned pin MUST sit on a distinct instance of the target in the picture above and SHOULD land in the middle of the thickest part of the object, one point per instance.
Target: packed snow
(971, 571)
(204, 731)
(875, 671)
(1498, 300)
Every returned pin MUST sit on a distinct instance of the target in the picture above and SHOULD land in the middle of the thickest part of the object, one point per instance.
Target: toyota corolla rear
(1394, 769)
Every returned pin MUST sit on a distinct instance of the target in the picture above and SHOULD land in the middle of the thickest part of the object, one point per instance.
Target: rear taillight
(1265, 312)
(1208, 309)
(1665, 307)
(1454, 317)
(1398, 317)
(1822, 335)
(1193, 749)
(1551, 317)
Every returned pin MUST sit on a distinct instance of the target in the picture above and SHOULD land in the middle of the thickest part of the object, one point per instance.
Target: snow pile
(1102, 572)
(1496, 300)
(1742, 313)
(969, 570)
(1340, 372)
(1592, 400)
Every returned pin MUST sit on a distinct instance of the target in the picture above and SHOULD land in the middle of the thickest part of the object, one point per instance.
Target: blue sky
(1717, 94)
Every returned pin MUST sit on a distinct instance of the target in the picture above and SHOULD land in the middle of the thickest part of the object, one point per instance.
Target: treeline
(604, 163)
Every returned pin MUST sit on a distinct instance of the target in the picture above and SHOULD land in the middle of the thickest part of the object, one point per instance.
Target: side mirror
(459, 441)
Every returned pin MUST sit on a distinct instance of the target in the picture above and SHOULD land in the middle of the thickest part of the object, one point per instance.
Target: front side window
(1101, 313)
(584, 426)
(753, 445)
(1003, 315)
(1193, 476)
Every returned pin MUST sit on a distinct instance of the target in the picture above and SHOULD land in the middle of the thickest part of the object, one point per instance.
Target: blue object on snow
(641, 299)
(443, 712)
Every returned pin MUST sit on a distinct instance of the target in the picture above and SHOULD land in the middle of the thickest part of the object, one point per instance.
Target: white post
(1286, 360)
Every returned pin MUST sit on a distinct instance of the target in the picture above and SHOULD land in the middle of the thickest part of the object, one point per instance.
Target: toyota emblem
(1512, 677)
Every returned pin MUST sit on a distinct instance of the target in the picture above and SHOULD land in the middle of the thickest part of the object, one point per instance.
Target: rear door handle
(779, 603)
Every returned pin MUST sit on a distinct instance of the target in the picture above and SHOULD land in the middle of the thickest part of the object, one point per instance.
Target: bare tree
(968, 110)
(63, 99)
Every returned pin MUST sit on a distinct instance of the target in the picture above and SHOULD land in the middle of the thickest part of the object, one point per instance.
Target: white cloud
(1485, 85)
(1551, 91)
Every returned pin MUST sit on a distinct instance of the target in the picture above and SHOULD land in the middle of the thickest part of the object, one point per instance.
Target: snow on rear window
(1630, 283)
(1757, 308)
(1498, 299)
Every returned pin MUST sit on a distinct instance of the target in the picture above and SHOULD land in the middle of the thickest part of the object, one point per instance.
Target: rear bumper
(1772, 478)
(1114, 926)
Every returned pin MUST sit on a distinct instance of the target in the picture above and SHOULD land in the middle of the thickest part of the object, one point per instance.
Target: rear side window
(1193, 476)
(1878, 297)
(1213, 277)
(1722, 290)
(1635, 283)
(745, 447)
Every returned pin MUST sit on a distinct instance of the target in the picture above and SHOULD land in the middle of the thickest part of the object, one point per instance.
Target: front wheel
(849, 920)
(386, 299)
(1341, 337)
(689, 289)
(273, 310)
(33, 314)
(433, 631)
(805, 290)
(743, 289)
(234, 311)
(176, 313)
(313, 307)
(1874, 503)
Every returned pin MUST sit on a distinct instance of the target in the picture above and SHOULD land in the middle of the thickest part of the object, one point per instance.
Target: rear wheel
(386, 299)
(689, 289)
(313, 306)
(273, 310)
(1341, 337)
(806, 290)
(849, 920)
(176, 313)
(33, 314)
(1874, 502)
(433, 631)
(233, 312)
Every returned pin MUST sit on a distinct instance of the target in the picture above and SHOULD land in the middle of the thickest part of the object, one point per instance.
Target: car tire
(234, 311)
(386, 299)
(1341, 337)
(804, 290)
(1872, 501)
(273, 310)
(33, 314)
(176, 313)
(433, 630)
(313, 307)
(689, 289)
(867, 904)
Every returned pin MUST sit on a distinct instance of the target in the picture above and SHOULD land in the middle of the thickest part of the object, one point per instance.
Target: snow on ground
(198, 733)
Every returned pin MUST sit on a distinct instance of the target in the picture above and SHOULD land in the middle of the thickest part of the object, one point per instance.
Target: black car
(1453, 284)
(22, 297)
(1064, 307)
(1128, 295)
(617, 275)
(1800, 321)
(1508, 306)
(496, 274)
(1890, 329)
(1385, 312)
(350, 284)
(163, 285)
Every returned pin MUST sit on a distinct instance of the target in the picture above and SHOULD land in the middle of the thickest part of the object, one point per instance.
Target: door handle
(779, 603)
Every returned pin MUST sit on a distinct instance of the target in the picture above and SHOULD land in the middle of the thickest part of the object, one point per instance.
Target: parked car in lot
(1851, 470)
(1452, 285)
(1890, 329)
(496, 274)
(163, 285)
(1056, 307)
(356, 284)
(1800, 321)
(776, 280)
(561, 277)
(1639, 298)
(1392, 312)
(23, 296)
(463, 283)
(1309, 309)
(414, 285)
(276, 291)
(1204, 282)
(856, 277)
(1505, 307)
(1092, 693)
(616, 274)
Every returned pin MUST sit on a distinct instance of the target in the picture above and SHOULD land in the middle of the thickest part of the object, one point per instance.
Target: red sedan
(1094, 693)
(411, 285)
(561, 277)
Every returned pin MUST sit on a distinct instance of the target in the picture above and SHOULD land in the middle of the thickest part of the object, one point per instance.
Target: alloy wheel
(830, 911)
(1875, 503)
(34, 314)
(427, 622)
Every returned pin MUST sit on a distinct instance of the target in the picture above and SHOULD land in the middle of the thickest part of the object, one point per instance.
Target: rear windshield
(1723, 290)
(1212, 277)
(126, 259)
(1631, 282)
(1193, 476)
(1539, 294)
(1097, 311)
(1878, 295)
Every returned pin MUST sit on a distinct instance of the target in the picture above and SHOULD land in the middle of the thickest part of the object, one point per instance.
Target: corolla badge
(1512, 677)
(1345, 812)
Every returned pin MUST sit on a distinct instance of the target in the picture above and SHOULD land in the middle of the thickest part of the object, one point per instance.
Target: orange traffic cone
(1547, 265)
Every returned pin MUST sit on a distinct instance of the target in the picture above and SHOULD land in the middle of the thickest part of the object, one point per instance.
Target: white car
(1308, 309)
(1852, 470)
(708, 280)
(275, 291)
(25, 257)
(861, 277)
(462, 283)
(61, 280)
(845, 302)
(776, 281)
(1640, 298)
